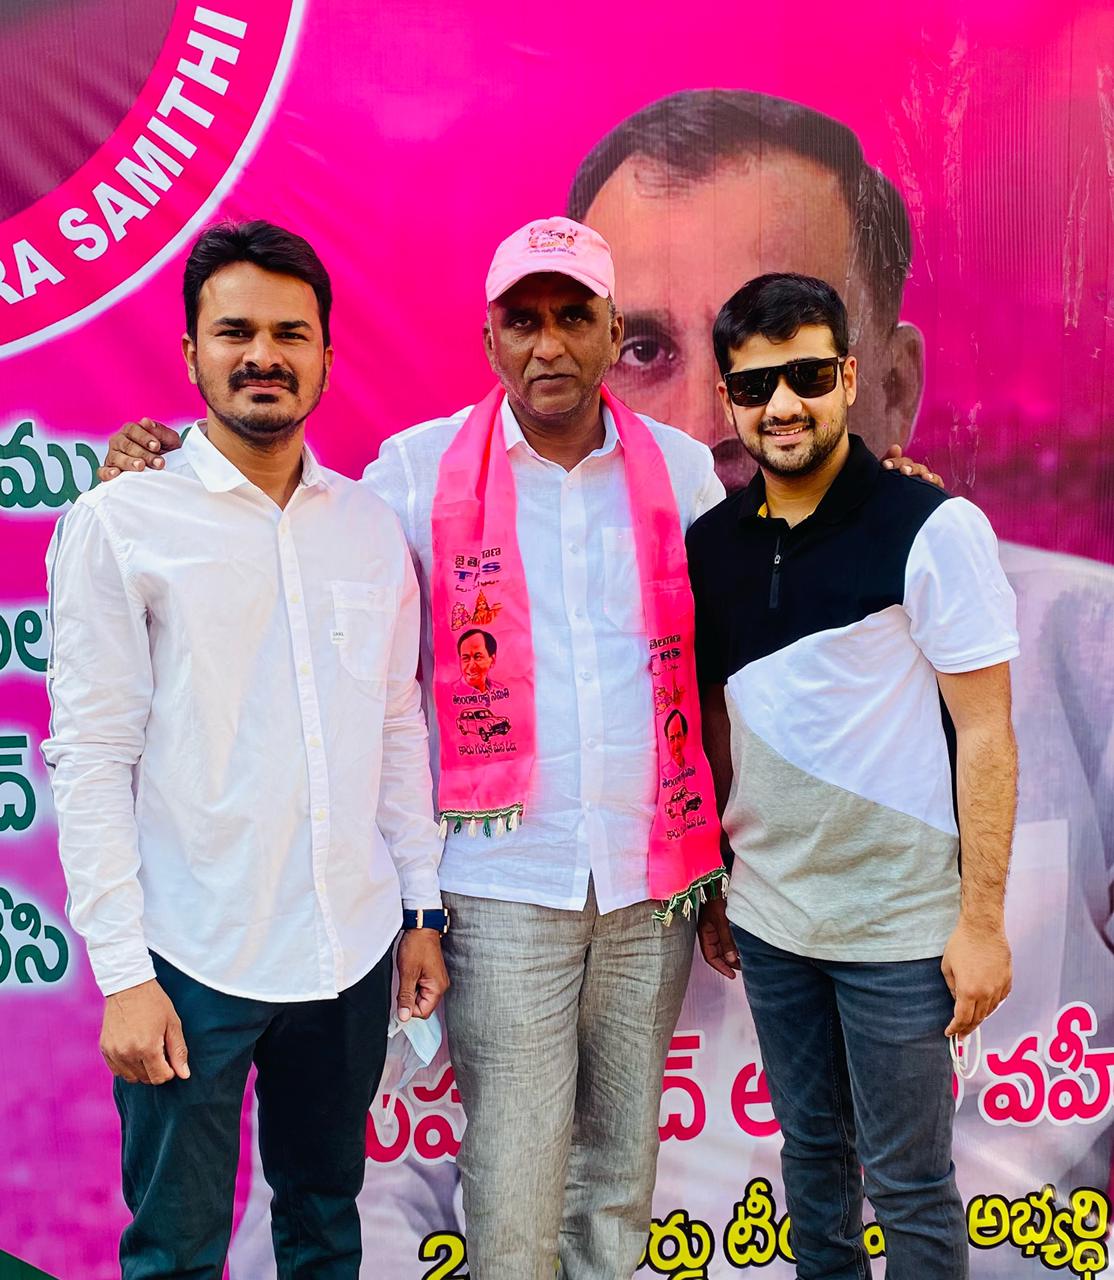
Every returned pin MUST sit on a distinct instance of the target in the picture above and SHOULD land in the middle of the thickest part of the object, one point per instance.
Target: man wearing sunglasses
(854, 628)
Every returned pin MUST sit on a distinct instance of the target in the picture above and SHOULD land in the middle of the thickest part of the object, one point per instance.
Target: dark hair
(267, 246)
(776, 306)
(489, 640)
(680, 716)
(691, 133)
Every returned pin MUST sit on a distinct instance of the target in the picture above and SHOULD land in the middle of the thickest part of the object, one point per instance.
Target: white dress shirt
(238, 752)
(591, 802)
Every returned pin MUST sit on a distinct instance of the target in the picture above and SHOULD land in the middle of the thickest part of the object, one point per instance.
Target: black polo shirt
(827, 637)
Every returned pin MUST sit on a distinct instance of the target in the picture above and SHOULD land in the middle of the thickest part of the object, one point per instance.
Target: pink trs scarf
(488, 728)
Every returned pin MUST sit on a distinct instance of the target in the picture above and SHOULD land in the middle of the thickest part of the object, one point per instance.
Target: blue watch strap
(425, 918)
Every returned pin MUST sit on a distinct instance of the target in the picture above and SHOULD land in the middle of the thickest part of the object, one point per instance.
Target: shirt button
(592, 744)
(303, 668)
(585, 676)
(295, 598)
(574, 547)
(578, 612)
(315, 741)
(587, 804)
(319, 815)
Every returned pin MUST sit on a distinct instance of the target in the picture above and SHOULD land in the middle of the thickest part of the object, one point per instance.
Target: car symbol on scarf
(483, 722)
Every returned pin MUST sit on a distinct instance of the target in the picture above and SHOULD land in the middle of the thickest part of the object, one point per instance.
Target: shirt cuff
(979, 661)
(120, 965)
(424, 902)
(420, 890)
(418, 884)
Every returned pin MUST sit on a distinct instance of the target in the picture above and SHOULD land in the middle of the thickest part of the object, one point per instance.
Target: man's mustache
(276, 377)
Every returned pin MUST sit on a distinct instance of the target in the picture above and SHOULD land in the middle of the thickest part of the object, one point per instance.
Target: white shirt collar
(219, 475)
(313, 473)
(512, 431)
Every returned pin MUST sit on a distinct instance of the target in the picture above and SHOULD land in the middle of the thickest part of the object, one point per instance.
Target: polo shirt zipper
(775, 577)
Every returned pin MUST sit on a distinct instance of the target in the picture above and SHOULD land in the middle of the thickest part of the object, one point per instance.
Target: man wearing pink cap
(552, 517)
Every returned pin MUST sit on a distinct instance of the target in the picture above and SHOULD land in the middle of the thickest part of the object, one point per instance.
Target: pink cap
(553, 244)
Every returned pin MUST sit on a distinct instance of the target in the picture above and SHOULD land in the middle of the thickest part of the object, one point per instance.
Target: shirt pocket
(363, 623)
(622, 587)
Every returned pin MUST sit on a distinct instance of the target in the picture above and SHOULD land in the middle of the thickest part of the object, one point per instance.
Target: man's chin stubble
(818, 452)
(558, 418)
(262, 434)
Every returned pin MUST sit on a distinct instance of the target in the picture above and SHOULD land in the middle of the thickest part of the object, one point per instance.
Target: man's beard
(518, 397)
(266, 426)
(822, 441)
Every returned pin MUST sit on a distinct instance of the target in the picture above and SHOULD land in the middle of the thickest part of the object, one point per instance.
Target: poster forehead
(728, 225)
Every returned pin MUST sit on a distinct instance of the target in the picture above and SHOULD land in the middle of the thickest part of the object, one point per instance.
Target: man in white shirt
(566, 991)
(240, 769)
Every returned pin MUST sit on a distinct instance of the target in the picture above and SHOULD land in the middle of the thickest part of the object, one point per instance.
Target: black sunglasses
(750, 388)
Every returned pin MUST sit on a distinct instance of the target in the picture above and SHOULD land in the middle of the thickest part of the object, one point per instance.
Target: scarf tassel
(714, 884)
(493, 822)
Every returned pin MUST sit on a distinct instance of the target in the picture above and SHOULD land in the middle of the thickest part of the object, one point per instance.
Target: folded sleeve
(962, 610)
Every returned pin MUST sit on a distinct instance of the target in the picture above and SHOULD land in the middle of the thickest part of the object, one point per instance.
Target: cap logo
(551, 240)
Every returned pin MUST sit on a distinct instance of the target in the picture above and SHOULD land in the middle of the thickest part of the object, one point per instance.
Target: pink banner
(405, 141)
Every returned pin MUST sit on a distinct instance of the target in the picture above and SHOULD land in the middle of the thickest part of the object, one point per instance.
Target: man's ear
(189, 354)
(328, 363)
(727, 406)
(850, 379)
(489, 347)
(616, 336)
(903, 384)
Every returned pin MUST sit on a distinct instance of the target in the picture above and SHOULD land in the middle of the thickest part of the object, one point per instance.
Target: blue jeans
(860, 1079)
(318, 1063)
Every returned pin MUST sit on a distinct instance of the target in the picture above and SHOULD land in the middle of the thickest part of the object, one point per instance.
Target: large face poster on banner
(952, 173)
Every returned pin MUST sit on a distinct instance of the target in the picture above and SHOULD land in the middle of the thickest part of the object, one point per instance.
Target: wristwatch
(424, 918)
